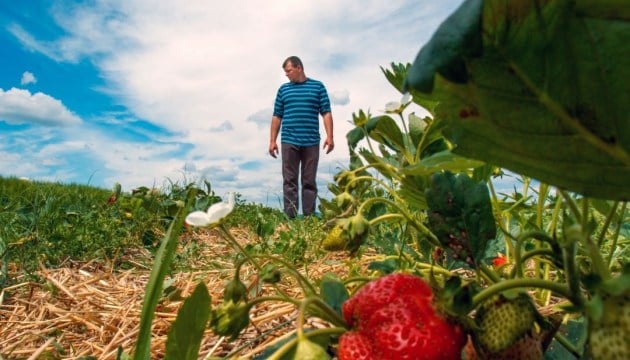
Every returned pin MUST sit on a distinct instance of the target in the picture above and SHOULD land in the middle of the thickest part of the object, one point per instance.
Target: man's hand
(329, 145)
(273, 149)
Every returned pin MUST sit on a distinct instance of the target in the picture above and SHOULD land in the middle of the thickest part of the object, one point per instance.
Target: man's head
(293, 69)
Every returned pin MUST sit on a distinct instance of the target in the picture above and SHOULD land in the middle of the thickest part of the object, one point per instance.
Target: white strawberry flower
(214, 215)
(398, 106)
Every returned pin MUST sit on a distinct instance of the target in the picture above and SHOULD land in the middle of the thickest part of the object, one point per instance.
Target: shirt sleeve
(278, 106)
(324, 101)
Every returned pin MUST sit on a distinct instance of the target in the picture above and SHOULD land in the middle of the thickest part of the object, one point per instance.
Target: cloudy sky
(144, 92)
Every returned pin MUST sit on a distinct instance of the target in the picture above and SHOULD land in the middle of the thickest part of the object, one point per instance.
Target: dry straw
(92, 309)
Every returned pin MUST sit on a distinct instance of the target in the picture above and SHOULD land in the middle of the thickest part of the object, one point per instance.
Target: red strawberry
(396, 316)
(354, 346)
(410, 329)
(499, 260)
(380, 292)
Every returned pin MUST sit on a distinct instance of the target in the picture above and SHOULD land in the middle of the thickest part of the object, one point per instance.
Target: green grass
(50, 223)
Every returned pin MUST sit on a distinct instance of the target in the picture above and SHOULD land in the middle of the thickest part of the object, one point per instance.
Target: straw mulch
(89, 310)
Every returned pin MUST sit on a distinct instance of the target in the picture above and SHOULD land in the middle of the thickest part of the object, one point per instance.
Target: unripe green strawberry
(608, 334)
(336, 240)
(308, 350)
(229, 319)
(528, 347)
(502, 321)
(235, 291)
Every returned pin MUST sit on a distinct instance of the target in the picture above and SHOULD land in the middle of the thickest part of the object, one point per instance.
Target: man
(297, 108)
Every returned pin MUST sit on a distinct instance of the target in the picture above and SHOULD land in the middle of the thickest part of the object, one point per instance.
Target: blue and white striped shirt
(299, 106)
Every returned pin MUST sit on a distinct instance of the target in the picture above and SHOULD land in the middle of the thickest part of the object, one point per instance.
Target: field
(64, 297)
(84, 309)
(416, 255)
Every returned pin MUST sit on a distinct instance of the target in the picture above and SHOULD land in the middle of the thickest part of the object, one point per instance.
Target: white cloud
(28, 78)
(19, 106)
(341, 97)
(209, 71)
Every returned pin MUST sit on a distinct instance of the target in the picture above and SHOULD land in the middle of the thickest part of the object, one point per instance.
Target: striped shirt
(299, 105)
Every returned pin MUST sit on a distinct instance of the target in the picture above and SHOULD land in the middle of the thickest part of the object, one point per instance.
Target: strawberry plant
(534, 87)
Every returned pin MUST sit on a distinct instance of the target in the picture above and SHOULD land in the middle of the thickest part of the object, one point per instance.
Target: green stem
(543, 189)
(526, 182)
(419, 226)
(300, 278)
(499, 287)
(385, 217)
(262, 299)
(572, 205)
(585, 213)
(362, 279)
(422, 140)
(616, 236)
(569, 253)
(379, 181)
(489, 273)
(609, 218)
(238, 247)
(555, 215)
(406, 141)
(327, 314)
(536, 234)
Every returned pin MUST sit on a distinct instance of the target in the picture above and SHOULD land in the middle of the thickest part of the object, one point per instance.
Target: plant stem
(536, 234)
(489, 273)
(609, 218)
(419, 226)
(499, 287)
(238, 247)
(572, 205)
(616, 236)
(421, 142)
(262, 299)
(300, 278)
(570, 269)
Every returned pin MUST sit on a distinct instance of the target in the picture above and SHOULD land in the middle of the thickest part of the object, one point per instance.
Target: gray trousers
(299, 163)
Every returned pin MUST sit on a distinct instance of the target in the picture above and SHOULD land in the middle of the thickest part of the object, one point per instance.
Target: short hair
(294, 60)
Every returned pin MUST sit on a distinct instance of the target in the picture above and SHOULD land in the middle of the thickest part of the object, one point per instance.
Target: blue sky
(144, 92)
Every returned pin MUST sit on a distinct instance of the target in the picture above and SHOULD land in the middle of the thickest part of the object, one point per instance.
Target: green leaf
(354, 136)
(444, 160)
(386, 131)
(333, 292)
(153, 291)
(460, 215)
(458, 36)
(396, 76)
(185, 335)
(412, 190)
(387, 266)
(575, 331)
(548, 95)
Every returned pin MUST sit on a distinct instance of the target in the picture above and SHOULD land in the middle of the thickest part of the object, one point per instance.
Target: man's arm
(329, 144)
(275, 129)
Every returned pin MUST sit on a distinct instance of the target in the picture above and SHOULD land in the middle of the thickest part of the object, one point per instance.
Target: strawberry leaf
(186, 333)
(546, 97)
(460, 215)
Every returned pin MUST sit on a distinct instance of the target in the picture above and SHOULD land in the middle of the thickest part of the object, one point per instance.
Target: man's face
(293, 73)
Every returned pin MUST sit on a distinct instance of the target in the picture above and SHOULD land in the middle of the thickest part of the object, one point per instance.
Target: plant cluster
(506, 272)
